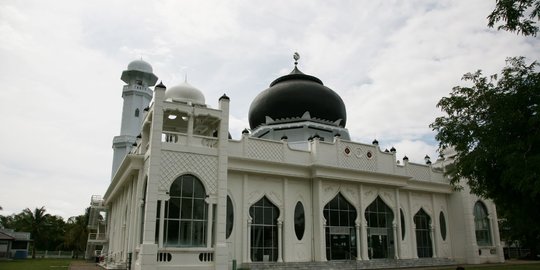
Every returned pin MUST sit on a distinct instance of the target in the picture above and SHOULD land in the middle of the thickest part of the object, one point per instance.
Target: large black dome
(290, 96)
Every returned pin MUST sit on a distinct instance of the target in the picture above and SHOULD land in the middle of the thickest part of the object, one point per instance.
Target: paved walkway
(84, 265)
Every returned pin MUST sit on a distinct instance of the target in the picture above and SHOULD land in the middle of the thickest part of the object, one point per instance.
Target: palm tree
(34, 222)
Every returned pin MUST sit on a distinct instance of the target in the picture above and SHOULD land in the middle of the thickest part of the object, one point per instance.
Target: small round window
(442, 223)
(230, 218)
(299, 220)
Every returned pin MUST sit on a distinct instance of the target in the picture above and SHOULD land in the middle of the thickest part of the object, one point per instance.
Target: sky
(61, 61)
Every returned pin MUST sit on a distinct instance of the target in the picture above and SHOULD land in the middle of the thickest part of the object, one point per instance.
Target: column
(394, 225)
(496, 236)
(191, 120)
(432, 233)
(280, 240)
(161, 223)
(318, 226)
(358, 249)
(209, 224)
(398, 223)
(248, 244)
(365, 240)
(434, 227)
(413, 228)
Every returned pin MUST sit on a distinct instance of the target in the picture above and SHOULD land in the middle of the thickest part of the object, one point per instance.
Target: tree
(77, 233)
(34, 222)
(517, 16)
(494, 125)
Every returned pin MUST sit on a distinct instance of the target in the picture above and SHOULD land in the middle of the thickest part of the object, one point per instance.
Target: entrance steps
(351, 265)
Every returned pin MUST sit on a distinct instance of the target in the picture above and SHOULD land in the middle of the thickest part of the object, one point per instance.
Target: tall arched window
(423, 234)
(380, 234)
(481, 224)
(186, 213)
(230, 218)
(340, 229)
(264, 231)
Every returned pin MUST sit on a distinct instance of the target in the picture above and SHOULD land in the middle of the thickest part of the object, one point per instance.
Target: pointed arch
(380, 219)
(264, 230)
(424, 244)
(340, 230)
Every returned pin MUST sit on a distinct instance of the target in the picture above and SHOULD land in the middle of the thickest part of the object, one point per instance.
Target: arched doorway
(380, 234)
(424, 246)
(340, 229)
(264, 231)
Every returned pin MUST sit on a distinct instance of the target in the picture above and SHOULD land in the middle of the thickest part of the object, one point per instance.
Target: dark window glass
(481, 224)
(158, 212)
(264, 243)
(136, 112)
(340, 229)
(186, 213)
(442, 224)
(402, 224)
(230, 218)
(380, 233)
(172, 232)
(299, 220)
(423, 235)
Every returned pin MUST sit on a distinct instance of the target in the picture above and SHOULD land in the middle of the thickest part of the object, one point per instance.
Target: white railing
(181, 138)
(97, 236)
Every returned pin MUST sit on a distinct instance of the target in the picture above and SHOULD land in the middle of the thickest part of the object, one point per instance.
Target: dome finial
(296, 56)
(185, 77)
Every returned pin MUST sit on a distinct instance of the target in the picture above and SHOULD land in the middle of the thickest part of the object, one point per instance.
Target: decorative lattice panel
(174, 164)
(265, 150)
(357, 157)
(418, 172)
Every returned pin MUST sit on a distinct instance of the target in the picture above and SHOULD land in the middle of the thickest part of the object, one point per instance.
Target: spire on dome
(296, 56)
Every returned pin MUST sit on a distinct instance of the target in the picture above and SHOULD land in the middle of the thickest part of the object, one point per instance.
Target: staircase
(351, 265)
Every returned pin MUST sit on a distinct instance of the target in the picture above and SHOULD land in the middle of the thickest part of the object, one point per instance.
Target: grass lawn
(36, 264)
(535, 266)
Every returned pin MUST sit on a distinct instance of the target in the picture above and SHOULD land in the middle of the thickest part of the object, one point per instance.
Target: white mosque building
(294, 191)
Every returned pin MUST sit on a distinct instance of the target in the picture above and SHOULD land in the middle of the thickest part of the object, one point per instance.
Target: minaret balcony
(169, 137)
(97, 238)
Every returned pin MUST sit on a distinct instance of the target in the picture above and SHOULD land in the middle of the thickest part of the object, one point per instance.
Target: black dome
(290, 96)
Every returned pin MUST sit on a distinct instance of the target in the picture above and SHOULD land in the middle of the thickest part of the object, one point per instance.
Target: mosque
(293, 191)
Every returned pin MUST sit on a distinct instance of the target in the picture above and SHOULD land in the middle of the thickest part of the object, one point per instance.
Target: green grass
(535, 266)
(36, 264)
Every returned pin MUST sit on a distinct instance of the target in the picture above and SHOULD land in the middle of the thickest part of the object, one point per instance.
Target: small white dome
(140, 65)
(186, 93)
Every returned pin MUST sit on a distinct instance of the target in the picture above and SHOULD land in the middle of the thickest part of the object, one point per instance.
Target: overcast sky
(61, 61)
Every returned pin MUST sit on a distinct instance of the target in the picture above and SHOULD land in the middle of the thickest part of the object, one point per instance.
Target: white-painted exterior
(250, 168)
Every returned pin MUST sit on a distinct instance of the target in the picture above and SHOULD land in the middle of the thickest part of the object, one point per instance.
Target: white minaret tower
(139, 77)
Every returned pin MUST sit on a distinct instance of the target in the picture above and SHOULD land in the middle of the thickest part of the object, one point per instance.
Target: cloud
(61, 62)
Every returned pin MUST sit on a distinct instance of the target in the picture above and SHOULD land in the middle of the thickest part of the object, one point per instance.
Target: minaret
(136, 93)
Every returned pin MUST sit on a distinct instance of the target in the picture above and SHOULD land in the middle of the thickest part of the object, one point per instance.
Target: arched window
(264, 232)
(340, 229)
(299, 220)
(402, 217)
(186, 213)
(423, 234)
(137, 112)
(481, 224)
(442, 224)
(230, 218)
(380, 234)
